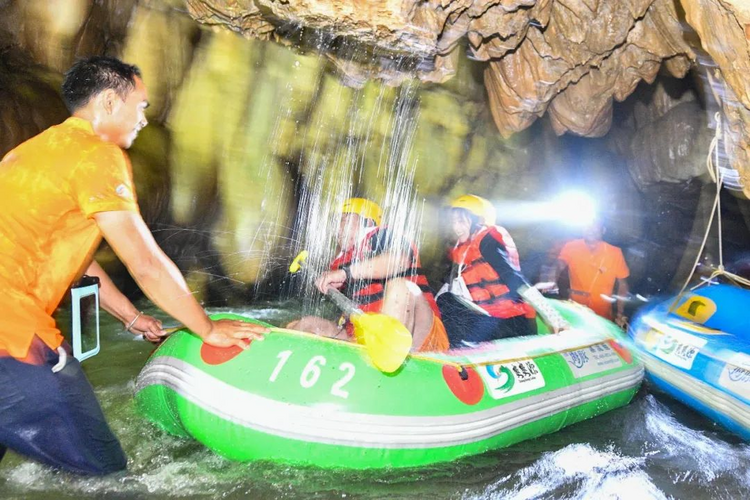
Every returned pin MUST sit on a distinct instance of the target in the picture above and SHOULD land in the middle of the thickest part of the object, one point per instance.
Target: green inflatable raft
(296, 398)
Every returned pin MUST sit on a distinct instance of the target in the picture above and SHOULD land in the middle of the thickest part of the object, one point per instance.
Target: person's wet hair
(92, 75)
(475, 223)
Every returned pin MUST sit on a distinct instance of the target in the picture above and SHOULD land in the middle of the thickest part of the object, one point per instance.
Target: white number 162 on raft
(312, 371)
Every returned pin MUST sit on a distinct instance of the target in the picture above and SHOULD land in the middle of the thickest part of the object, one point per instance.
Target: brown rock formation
(663, 134)
(251, 142)
(570, 58)
(724, 30)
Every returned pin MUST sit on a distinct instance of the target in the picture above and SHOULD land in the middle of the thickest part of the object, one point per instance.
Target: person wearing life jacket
(487, 297)
(380, 274)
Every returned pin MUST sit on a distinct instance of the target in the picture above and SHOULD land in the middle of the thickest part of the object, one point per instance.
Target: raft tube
(306, 400)
(700, 352)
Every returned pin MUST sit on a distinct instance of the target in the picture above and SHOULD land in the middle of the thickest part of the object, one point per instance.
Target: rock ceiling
(567, 58)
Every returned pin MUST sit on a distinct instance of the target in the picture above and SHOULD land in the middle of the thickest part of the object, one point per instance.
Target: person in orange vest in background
(487, 297)
(62, 190)
(381, 275)
(594, 267)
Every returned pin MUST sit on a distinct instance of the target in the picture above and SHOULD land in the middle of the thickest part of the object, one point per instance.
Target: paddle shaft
(344, 302)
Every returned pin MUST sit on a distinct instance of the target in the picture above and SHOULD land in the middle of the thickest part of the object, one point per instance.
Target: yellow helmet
(476, 205)
(364, 208)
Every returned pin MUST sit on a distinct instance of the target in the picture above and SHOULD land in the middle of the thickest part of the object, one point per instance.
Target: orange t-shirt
(593, 273)
(51, 186)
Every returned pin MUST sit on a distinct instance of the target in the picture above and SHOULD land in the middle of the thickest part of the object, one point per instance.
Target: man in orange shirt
(62, 191)
(594, 266)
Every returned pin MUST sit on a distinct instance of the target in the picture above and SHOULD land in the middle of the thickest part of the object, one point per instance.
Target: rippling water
(654, 448)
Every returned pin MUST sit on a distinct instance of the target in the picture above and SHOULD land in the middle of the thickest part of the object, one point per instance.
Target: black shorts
(464, 325)
(54, 418)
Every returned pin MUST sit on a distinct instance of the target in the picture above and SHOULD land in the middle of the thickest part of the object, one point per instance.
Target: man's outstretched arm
(162, 282)
(119, 306)
(379, 267)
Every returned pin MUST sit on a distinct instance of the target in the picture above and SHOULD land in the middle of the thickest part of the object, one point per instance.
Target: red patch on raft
(213, 355)
(469, 391)
(623, 352)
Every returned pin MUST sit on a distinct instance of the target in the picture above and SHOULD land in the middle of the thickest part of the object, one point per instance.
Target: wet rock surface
(249, 141)
(568, 58)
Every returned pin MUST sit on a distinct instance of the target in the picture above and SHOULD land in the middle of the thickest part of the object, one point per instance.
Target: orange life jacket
(484, 284)
(368, 294)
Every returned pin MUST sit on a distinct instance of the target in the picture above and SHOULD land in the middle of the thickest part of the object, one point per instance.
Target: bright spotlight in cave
(575, 208)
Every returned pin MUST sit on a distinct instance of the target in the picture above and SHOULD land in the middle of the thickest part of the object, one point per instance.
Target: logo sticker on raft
(676, 348)
(735, 377)
(510, 379)
(593, 359)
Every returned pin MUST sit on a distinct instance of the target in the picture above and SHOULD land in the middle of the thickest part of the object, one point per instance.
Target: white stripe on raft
(327, 425)
(715, 399)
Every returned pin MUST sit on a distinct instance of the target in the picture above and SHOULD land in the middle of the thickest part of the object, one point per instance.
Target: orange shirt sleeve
(621, 267)
(102, 182)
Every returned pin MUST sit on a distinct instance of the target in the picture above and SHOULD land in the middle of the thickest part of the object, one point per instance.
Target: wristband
(130, 325)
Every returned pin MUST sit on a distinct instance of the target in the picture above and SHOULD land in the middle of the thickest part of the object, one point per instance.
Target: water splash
(650, 449)
(690, 455)
(332, 176)
(577, 471)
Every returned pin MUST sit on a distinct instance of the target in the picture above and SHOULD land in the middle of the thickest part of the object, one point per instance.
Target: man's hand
(149, 327)
(335, 279)
(229, 332)
(622, 321)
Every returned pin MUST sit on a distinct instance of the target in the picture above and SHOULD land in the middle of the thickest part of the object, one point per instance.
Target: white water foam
(578, 471)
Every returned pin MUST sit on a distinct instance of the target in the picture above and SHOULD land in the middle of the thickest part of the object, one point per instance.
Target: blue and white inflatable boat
(700, 352)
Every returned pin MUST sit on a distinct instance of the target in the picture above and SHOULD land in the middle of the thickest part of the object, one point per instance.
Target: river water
(653, 448)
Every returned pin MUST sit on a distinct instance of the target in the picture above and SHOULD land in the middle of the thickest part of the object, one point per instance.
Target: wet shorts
(54, 417)
(466, 327)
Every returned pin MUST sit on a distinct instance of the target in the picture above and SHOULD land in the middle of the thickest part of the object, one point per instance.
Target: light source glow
(575, 208)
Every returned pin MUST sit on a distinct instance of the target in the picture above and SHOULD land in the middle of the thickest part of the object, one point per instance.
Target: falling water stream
(330, 177)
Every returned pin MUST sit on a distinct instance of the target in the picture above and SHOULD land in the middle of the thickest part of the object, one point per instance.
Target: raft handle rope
(715, 173)
(461, 367)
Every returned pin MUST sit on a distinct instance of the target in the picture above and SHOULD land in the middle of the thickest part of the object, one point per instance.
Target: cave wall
(242, 132)
(568, 58)
(724, 30)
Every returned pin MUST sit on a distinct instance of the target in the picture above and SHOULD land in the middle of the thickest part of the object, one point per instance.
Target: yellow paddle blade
(386, 340)
(296, 264)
